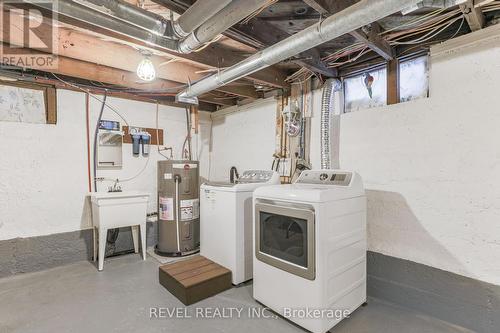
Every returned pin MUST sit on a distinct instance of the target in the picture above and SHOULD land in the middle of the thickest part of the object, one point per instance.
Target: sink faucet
(233, 175)
(116, 187)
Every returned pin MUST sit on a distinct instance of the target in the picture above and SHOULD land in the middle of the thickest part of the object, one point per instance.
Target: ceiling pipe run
(192, 18)
(131, 14)
(196, 15)
(88, 16)
(347, 20)
(231, 14)
(200, 24)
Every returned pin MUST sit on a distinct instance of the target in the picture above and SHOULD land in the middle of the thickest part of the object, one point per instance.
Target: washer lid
(321, 190)
(229, 187)
(249, 181)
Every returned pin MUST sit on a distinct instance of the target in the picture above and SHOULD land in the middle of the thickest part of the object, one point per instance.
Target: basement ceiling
(108, 61)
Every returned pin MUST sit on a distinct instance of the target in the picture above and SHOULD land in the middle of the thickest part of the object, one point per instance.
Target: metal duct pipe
(327, 108)
(71, 11)
(131, 14)
(347, 20)
(233, 13)
(196, 15)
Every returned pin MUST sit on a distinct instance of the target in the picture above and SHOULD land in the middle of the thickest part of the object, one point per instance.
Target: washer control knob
(323, 176)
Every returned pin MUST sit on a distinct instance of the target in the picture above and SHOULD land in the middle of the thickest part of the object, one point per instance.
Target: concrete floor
(78, 298)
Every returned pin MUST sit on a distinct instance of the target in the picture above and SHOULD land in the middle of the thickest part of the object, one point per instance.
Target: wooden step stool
(194, 279)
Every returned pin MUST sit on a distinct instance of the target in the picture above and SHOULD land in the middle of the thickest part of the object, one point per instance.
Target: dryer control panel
(325, 177)
(257, 176)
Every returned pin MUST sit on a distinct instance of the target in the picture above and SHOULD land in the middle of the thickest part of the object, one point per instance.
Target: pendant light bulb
(146, 70)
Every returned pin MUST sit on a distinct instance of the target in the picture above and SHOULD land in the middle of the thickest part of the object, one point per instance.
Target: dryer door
(285, 239)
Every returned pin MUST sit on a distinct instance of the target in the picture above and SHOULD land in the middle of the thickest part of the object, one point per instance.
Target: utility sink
(112, 210)
(119, 209)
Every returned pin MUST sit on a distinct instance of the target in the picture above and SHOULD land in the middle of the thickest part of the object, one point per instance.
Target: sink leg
(102, 247)
(143, 240)
(94, 237)
(135, 237)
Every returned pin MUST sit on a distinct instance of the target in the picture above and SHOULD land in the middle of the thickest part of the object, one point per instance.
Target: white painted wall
(431, 167)
(243, 137)
(43, 168)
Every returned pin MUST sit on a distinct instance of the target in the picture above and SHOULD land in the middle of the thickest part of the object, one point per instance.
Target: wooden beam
(321, 6)
(77, 45)
(226, 57)
(373, 40)
(393, 82)
(329, 7)
(473, 15)
(260, 34)
(94, 72)
(370, 39)
(267, 34)
(170, 100)
(213, 57)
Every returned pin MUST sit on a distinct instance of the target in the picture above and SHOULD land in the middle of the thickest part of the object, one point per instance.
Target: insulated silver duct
(347, 20)
(192, 18)
(327, 109)
(231, 14)
(196, 15)
(86, 13)
(131, 14)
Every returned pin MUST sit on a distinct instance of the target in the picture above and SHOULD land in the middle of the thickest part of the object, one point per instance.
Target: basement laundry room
(250, 166)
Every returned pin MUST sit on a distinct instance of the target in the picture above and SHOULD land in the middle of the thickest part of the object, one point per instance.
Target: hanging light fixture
(146, 69)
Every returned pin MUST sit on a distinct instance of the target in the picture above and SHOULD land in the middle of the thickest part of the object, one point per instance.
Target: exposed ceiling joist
(163, 100)
(259, 34)
(217, 57)
(267, 34)
(473, 15)
(100, 73)
(370, 38)
(84, 47)
(91, 71)
(373, 40)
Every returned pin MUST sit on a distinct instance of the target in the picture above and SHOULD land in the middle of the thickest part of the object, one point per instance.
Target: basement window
(365, 91)
(413, 79)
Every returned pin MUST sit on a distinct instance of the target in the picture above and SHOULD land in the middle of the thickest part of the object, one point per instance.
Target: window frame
(49, 93)
(359, 71)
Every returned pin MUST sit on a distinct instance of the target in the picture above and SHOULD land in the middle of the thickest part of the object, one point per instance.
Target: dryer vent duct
(327, 111)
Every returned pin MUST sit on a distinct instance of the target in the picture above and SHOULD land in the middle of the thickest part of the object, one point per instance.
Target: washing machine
(310, 248)
(226, 219)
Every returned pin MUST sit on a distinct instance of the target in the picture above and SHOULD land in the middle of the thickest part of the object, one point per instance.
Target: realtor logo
(29, 34)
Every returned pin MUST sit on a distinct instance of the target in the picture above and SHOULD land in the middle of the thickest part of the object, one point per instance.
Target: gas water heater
(178, 208)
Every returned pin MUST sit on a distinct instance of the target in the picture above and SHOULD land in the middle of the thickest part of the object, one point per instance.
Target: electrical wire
(204, 46)
(96, 132)
(430, 35)
(416, 20)
(157, 132)
(94, 97)
(428, 26)
(79, 86)
(210, 148)
(103, 101)
(187, 153)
